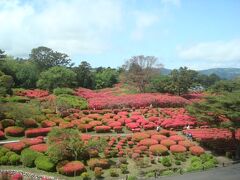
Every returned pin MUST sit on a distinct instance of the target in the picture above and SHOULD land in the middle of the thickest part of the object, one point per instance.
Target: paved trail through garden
(231, 172)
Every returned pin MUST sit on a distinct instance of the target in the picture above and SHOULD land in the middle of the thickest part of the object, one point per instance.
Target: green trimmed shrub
(209, 164)
(180, 157)
(9, 153)
(150, 174)
(195, 166)
(59, 91)
(44, 163)
(132, 178)
(177, 162)
(4, 150)
(113, 173)
(28, 157)
(66, 101)
(166, 161)
(14, 159)
(3, 160)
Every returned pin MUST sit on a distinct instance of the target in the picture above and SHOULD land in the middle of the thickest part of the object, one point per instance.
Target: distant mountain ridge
(224, 73)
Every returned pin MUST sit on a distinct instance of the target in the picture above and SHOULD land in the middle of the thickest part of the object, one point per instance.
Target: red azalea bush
(168, 142)
(102, 129)
(186, 143)
(106, 100)
(2, 135)
(85, 127)
(196, 150)
(158, 137)
(39, 148)
(17, 176)
(36, 93)
(209, 134)
(158, 149)
(48, 123)
(139, 136)
(72, 168)
(177, 138)
(177, 149)
(32, 141)
(37, 132)
(16, 147)
(148, 142)
(14, 131)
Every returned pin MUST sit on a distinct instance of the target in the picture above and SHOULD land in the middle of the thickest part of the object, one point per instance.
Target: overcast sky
(195, 33)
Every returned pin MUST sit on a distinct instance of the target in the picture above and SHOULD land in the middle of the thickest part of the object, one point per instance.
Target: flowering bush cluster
(209, 134)
(103, 100)
(36, 93)
(14, 131)
(16, 147)
(196, 150)
(72, 168)
(39, 148)
(37, 132)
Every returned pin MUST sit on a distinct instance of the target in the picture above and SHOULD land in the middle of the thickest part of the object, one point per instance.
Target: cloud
(143, 21)
(73, 26)
(219, 53)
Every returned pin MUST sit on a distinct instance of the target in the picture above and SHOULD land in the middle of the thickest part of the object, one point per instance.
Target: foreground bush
(37, 132)
(14, 131)
(72, 168)
(103, 163)
(16, 147)
(196, 150)
(28, 157)
(158, 149)
(177, 149)
(59, 91)
(44, 163)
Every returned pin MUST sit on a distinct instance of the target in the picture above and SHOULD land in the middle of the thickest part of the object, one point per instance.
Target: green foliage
(167, 173)
(132, 178)
(66, 144)
(6, 83)
(106, 78)
(21, 111)
(85, 76)
(28, 157)
(19, 99)
(44, 163)
(4, 160)
(124, 168)
(150, 174)
(177, 162)
(4, 150)
(113, 172)
(46, 58)
(98, 144)
(226, 86)
(59, 91)
(85, 176)
(14, 159)
(56, 77)
(210, 110)
(180, 157)
(166, 161)
(65, 101)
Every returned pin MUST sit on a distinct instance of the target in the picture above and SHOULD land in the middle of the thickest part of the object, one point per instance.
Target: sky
(199, 34)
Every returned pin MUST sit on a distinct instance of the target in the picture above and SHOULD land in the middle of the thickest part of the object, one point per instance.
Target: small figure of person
(158, 128)
(188, 127)
(190, 136)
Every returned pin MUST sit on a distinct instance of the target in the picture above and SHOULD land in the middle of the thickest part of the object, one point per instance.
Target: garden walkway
(231, 172)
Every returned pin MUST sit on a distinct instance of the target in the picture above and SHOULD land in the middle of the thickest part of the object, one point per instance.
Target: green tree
(65, 144)
(46, 58)
(183, 79)
(56, 77)
(85, 76)
(6, 84)
(138, 71)
(106, 77)
(215, 107)
(226, 85)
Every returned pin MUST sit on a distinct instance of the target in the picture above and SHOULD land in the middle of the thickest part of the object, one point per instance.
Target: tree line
(49, 69)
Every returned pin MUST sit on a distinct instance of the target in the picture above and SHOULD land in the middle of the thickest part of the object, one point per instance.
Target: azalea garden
(83, 123)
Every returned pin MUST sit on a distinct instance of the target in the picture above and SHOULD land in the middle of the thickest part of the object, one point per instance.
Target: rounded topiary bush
(14, 131)
(186, 143)
(28, 157)
(177, 138)
(103, 163)
(72, 168)
(3, 160)
(30, 123)
(14, 159)
(196, 150)
(177, 149)
(148, 142)
(168, 142)
(102, 129)
(140, 136)
(158, 137)
(39, 148)
(158, 149)
(16, 147)
(44, 163)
